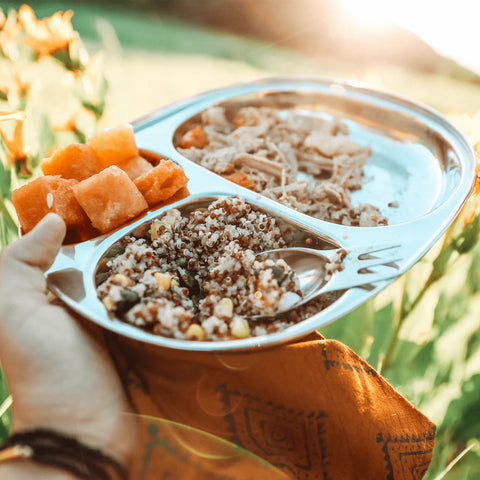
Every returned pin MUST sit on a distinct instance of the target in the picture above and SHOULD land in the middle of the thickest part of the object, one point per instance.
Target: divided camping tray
(420, 174)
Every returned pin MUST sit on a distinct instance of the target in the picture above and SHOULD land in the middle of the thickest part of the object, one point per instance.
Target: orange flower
(18, 115)
(10, 31)
(24, 81)
(16, 151)
(469, 217)
(473, 202)
(476, 189)
(67, 124)
(4, 90)
(49, 35)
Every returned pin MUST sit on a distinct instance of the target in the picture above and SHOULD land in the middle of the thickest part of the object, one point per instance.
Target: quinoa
(304, 162)
(196, 277)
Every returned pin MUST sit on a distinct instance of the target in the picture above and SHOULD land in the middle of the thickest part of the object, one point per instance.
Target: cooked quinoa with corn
(197, 278)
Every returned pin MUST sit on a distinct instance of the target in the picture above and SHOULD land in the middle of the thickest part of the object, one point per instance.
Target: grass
(5, 410)
(424, 340)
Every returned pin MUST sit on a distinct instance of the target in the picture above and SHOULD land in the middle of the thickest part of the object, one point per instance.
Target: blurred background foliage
(422, 333)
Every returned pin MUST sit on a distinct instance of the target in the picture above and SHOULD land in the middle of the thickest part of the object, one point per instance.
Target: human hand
(60, 376)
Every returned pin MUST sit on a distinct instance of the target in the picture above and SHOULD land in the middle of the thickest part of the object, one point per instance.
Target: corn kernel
(224, 308)
(108, 303)
(121, 280)
(174, 283)
(154, 231)
(240, 328)
(258, 294)
(163, 280)
(169, 219)
(195, 332)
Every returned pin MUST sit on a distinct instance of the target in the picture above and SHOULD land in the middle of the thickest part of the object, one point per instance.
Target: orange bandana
(310, 410)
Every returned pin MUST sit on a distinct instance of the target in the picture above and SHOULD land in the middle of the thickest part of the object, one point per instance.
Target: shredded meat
(268, 149)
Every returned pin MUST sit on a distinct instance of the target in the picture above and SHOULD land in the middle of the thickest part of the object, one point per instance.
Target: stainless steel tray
(419, 160)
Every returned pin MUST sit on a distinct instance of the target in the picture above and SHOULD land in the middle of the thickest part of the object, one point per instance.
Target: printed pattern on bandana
(289, 439)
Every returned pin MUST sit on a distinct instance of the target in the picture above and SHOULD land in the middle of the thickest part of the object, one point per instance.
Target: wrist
(112, 433)
(100, 419)
(27, 470)
(49, 448)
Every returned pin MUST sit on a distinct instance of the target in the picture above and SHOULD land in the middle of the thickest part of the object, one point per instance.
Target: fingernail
(51, 221)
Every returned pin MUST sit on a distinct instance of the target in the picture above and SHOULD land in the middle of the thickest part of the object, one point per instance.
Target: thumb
(39, 247)
(23, 263)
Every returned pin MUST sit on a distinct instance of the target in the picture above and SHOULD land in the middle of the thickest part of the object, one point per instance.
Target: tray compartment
(406, 150)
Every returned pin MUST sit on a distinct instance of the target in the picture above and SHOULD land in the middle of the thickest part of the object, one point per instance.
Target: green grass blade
(449, 467)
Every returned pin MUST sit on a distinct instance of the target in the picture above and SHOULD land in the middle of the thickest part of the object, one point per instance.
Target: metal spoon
(322, 271)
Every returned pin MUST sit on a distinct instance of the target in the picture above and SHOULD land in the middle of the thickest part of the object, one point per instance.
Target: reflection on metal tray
(419, 160)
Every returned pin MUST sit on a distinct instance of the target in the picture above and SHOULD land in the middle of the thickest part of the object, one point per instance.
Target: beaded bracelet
(51, 448)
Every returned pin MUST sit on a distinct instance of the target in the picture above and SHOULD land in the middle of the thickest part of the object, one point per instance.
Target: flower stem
(8, 227)
(405, 311)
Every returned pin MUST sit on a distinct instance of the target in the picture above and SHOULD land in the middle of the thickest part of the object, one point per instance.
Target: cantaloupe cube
(47, 194)
(162, 182)
(114, 145)
(76, 161)
(152, 157)
(81, 233)
(135, 167)
(109, 198)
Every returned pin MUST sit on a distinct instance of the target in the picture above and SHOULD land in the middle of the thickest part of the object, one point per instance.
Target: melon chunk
(161, 182)
(81, 233)
(77, 161)
(114, 145)
(135, 167)
(47, 194)
(109, 198)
